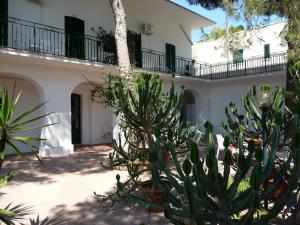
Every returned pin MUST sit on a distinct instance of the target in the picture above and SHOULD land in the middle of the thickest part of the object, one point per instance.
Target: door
(76, 118)
(171, 58)
(3, 22)
(74, 40)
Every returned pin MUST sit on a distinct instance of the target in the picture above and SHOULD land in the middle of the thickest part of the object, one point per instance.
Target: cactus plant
(143, 108)
(200, 188)
(252, 118)
(200, 192)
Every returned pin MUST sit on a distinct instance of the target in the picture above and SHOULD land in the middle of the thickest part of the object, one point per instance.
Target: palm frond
(11, 214)
(59, 220)
(28, 112)
(5, 178)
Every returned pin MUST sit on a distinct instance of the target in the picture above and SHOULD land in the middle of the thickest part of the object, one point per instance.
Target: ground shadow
(86, 160)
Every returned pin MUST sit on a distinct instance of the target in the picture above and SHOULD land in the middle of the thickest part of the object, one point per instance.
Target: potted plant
(144, 109)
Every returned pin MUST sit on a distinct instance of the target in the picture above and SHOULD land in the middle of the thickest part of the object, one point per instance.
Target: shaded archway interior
(30, 95)
(91, 123)
(188, 113)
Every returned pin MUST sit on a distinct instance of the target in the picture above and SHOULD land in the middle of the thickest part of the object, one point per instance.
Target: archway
(188, 114)
(32, 94)
(91, 123)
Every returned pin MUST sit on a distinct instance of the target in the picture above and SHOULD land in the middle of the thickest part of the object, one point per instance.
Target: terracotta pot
(154, 196)
(165, 154)
(279, 190)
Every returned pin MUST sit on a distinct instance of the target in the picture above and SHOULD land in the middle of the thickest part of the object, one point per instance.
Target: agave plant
(59, 220)
(11, 129)
(11, 126)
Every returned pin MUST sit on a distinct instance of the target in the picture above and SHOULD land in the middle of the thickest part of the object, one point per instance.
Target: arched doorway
(188, 114)
(32, 94)
(91, 123)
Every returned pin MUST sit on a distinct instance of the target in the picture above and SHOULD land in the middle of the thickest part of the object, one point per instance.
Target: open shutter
(138, 51)
(74, 45)
(3, 22)
(267, 51)
(171, 58)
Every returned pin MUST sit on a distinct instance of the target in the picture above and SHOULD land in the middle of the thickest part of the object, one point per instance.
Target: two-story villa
(50, 47)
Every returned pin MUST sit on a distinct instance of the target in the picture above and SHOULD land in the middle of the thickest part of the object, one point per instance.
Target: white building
(48, 47)
(262, 41)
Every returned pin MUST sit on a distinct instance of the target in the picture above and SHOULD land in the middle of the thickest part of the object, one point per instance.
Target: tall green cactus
(200, 192)
(200, 188)
(143, 107)
(252, 116)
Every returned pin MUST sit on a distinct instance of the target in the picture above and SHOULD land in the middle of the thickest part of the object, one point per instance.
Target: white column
(59, 137)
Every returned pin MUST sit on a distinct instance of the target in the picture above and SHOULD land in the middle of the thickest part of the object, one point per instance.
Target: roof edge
(190, 11)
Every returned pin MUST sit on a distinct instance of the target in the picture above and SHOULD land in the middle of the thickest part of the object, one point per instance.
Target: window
(238, 56)
(267, 51)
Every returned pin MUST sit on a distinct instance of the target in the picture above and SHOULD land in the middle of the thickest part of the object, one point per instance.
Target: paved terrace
(65, 187)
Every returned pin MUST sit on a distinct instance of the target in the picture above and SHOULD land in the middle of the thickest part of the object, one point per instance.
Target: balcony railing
(43, 39)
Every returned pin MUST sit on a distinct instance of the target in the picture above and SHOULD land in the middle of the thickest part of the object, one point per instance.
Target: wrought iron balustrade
(43, 39)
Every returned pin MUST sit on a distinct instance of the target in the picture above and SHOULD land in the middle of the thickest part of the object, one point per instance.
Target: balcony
(42, 39)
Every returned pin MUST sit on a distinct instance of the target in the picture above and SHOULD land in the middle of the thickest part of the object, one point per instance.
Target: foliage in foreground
(11, 129)
(143, 107)
(252, 118)
(200, 193)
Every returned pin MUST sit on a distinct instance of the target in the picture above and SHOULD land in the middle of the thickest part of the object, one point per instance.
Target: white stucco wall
(211, 97)
(214, 51)
(30, 96)
(97, 13)
(56, 79)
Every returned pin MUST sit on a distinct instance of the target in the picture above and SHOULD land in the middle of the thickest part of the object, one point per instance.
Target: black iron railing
(43, 39)
(250, 66)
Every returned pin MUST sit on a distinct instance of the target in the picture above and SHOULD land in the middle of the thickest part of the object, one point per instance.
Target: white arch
(32, 94)
(16, 76)
(189, 107)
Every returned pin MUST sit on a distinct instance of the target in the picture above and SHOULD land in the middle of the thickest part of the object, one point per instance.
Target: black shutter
(138, 51)
(267, 52)
(171, 58)
(3, 22)
(74, 39)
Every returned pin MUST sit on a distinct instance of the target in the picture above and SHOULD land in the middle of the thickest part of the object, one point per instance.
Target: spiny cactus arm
(279, 178)
(274, 148)
(203, 183)
(248, 218)
(279, 204)
(227, 162)
(137, 199)
(203, 186)
(249, 104)
(174, 157)
(242, 202)
(243, 167)
(174, 215)
(211, 160)
(193, 201)
(157, 179)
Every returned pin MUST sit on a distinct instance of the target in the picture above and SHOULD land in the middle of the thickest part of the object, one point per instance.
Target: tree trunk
(121, 36)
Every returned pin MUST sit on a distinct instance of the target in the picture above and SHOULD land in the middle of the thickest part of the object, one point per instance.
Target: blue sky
(217, 15)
